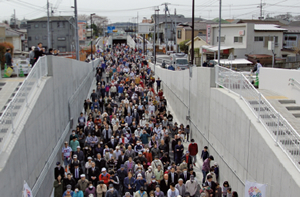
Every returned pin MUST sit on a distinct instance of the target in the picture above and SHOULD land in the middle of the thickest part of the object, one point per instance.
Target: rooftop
(52, 18)
(268, 27)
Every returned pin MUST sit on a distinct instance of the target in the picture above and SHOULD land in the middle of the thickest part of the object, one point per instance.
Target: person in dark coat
(185, 176)
(165, 184)
(76, 171)
(93, 173)
(211, 183)
(121, 159)
(58, 186)
(188, 159)
(173, 176)
(38, 51)
(122, 174)
(59, 170)
(100, 162)
(69, 180)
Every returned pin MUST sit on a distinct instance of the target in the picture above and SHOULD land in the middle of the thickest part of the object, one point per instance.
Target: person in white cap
(66, 154)
(83, 183)
(180, 186)
(88, 165)
(104, 176)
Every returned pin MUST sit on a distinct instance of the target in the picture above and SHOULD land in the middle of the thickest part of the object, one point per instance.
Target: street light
(92, 36)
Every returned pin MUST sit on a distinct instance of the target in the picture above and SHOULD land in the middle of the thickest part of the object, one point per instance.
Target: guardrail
(14, 111)
(294, 82)
(285, 136)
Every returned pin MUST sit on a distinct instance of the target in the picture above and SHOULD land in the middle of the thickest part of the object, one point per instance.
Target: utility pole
(154, 39)
(175, 29)
(76, 31)
(193, 27)
(48, 26)
(273, 51)
(15, 22)
(219, 44)
(261, 5)
(166, 37)
(92, 36)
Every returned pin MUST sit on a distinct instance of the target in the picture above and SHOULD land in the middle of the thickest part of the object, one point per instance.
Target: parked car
(26, 67)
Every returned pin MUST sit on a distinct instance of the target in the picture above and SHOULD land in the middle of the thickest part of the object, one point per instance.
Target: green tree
(183, 47)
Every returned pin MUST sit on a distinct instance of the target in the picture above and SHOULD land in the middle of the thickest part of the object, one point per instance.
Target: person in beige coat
(101, 189)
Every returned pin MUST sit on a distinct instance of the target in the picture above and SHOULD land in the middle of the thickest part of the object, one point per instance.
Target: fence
(14, 111)
(285, 136)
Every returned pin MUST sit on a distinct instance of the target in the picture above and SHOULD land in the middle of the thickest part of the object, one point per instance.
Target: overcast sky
(126, 10)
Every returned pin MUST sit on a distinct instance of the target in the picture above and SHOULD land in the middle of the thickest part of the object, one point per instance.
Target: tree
(3, 47)
(83, 17)
(183, 47)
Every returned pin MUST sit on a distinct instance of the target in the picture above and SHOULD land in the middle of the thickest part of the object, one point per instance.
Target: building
(243, 39)
(184, 30)
(291, 44)
(12, 36)
(62, 32)
(166, 27)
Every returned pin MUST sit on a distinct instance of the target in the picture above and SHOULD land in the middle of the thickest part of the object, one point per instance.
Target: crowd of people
(126, 143)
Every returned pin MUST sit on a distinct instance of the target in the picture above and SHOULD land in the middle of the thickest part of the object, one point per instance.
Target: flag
(26, 190)
(253, 189)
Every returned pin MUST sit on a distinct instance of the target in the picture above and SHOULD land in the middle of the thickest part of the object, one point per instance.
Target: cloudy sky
(126, 10)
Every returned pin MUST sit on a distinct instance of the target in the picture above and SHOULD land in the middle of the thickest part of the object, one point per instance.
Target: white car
(26, 67)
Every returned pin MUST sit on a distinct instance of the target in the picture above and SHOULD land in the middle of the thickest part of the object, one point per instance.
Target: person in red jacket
(193, 149)
(104, 176)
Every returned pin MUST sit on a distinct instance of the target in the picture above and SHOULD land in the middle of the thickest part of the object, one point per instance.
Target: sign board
(255, 189)
(144, 28)
(242, 32)
(110, 29)
(270, 45)
(208, 33)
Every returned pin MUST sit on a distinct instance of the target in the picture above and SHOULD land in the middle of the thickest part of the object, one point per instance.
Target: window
(238, 39)
(28, 26)
(270, 38)
(44, 37)
(63, 24)
(222, 39)
(36, 25)
(61, 38)
(37, 37)
(29, 38)
(258, 39)
(179, 34)
(62, 48)
(58, 25)
(44, 25)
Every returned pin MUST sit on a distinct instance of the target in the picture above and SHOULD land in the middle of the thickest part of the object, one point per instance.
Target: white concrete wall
(241, 146)
(47, 120)
(277, 80)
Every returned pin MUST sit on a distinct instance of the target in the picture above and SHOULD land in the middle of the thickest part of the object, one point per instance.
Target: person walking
(8, 58)
(193, 149)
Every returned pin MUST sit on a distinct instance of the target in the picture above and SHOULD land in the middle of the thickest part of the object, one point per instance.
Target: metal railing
(15, 109)
(294, 82)
(285, 136)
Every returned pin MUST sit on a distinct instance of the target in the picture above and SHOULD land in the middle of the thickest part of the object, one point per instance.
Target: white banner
(255, 189)
(26, 190)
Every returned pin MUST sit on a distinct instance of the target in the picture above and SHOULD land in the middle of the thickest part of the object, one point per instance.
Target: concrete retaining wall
(46, 121)
(240, 145)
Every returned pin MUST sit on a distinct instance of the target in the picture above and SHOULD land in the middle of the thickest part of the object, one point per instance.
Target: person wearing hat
(152, 184)
(206, 167)
(66, 154)
(68, 192)
(111, 192)
(58, 186)
(104, 176)
(180, 186)
(88, 165)
(141, 193)
(188, 159)
(122, 174)
(140, 181)
(83, 183)
(74, 162)
(59, 170)
(191, 186)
